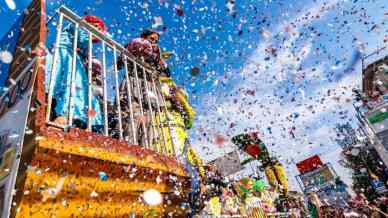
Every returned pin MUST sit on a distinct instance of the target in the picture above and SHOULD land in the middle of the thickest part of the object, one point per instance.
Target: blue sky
(267, 65)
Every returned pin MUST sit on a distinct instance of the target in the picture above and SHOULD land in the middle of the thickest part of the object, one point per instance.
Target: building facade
(371, 103)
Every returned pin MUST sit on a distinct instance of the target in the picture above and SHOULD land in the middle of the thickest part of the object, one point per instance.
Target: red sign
(309, 164)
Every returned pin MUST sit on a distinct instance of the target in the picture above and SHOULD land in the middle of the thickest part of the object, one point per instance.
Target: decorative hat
(96, 20)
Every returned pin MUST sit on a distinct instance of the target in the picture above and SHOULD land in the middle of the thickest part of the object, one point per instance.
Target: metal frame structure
(143, 75)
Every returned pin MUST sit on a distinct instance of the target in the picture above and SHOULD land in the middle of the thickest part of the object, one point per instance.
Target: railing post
(148, 92)
(160, 125)
(105, 99)
(90, 79)
(168, 121)
(73, 76)
(117, 92)
(53, 68)
(140, 102)
(129, 96)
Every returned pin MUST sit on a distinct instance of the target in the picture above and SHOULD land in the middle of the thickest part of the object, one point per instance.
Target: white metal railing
(150, 102)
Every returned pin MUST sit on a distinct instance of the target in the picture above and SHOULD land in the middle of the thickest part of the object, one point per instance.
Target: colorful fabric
(276, 176)
(259, 185)
(256, 212)
(62, 78)
(268, 199)
(230, 205)
(313, 210)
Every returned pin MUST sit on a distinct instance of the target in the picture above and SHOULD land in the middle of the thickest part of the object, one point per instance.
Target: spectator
(314, 205)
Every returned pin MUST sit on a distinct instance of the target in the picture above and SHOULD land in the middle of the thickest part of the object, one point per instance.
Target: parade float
(63, 170)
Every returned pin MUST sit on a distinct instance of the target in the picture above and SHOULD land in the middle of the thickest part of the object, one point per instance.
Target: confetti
(11, 4)
(158, 21)
(92, 113)
(194, 71)
(152, 197)
(6, 57)
(179, 11)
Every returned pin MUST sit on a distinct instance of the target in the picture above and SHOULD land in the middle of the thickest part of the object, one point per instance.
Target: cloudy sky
(283, 68)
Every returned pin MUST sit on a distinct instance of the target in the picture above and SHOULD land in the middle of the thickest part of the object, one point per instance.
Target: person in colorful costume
(230, 202)
(275, 173)
(213, 189)
(180, 115)
(249, 192)
(314, 205)
(144, 47)
(62, 77)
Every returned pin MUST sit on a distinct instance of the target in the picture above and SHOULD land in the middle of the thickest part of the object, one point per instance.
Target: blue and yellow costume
(62, 78)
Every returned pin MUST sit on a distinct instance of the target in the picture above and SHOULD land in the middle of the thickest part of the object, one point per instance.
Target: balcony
(129, 97)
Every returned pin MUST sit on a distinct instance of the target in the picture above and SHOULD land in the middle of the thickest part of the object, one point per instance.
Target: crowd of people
(248, 197)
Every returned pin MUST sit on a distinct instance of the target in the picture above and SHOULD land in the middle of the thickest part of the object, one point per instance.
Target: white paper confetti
(11, 4)
(152, 197)
(6, 57)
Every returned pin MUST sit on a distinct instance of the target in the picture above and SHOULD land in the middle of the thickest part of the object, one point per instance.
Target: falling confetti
(194, 71)
(6, 57)
(219, 140)
(11, 4)
(92, 113)
(103, 176)
(179, 11)
(94, 194)
(158, 21)
(152, 197)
